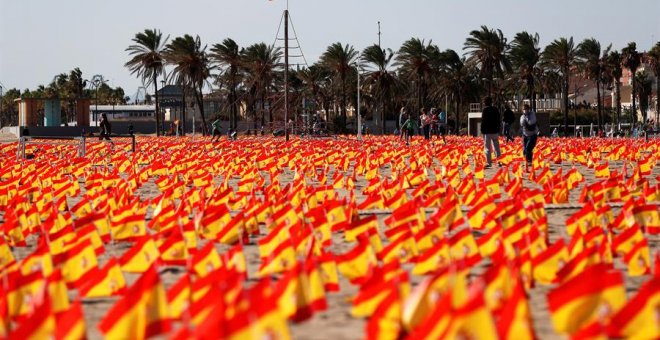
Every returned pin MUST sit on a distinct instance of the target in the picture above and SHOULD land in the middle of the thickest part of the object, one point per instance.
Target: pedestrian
(410, 125)
(403, 117)
(176, 127)
(530, 133)
(508, 119)
(442, 124)
(425, 121)
(216, 129)
(104, 127)
(490, 128)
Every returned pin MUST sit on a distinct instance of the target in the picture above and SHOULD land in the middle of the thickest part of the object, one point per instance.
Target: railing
(80, 142)
(541, 105)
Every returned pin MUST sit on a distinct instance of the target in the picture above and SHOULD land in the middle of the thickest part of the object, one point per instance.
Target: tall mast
(286, 72)
(379, 34)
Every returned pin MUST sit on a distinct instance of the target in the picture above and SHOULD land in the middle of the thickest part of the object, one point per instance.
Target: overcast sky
(42, 38)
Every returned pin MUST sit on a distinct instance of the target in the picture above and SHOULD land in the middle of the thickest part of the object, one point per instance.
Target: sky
(42, 38)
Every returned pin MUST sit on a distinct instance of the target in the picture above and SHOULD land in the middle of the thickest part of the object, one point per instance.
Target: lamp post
(160, 98)
(97, 81)
(359, 117)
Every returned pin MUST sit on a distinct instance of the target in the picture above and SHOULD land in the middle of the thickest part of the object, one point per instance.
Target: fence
(80, 143)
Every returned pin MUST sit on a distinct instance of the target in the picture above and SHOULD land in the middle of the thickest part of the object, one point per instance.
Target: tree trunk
(634, 106)
(600, 112)
(157, 111)
(657, 97)
(565, 103)
(382, 115)
(263, 109)
(617, 85)
(530, 93)
(343, 104)
(200, 103)
(183, 105)
(419, 93)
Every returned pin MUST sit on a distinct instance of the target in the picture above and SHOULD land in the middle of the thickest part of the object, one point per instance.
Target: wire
(297, 40)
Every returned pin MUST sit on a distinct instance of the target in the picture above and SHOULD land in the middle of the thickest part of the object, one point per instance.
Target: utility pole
(1, 100)
(359, 118)
(286, 73)
(379, 34)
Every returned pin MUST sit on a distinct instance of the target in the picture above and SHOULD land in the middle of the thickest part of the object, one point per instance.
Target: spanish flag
(515, 319)
(140, 257)
(372, 295)
(360, 226)
(357, 264)
(433, 258)
(40, 323)
(205, 261)
(638, 259)
(104, 282)
(638, 319)
(281, 259)
(385, 323)
(77, 261)
(142, 313)
(595, 294)
(71, 324)
(547, 263)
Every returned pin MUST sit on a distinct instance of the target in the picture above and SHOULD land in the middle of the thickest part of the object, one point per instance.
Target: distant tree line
(417, 75)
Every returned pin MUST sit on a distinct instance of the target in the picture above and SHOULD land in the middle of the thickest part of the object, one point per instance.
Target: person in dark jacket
(104, 127)
(508, 119)
(490, 128)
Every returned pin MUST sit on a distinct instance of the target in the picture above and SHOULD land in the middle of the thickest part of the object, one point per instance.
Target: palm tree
(414, 62)
(487, 49)
(653, 57)
(316, 80)
(228, 56)
(590, 62)
(525, 55)
(631, 61)
(455, 80)
(261, 63)
(613, 62)
(379, 78)
(560, 56)
(644, 89)
(339, 59)
(147, 61)
(191, 68)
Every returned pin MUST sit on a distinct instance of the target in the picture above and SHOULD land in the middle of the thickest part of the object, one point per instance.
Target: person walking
(425, 120)
(530, 133)
(403, 118)
(490, 128)
(410, 125)
(216, 129)
(508, 119)
(104, 127)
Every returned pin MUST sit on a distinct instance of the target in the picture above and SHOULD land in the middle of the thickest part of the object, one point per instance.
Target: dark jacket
(508, 118)
(105, 126)
(490, 120)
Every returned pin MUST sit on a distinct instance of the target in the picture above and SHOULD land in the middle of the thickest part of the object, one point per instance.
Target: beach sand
(336, 322)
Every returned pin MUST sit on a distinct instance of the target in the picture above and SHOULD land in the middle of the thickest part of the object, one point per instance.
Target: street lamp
(359, 117)
(97, 81)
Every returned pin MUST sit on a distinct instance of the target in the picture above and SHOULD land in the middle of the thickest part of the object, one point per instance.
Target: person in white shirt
(530, 133)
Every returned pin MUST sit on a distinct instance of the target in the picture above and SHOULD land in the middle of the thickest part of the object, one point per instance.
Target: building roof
(171, 91)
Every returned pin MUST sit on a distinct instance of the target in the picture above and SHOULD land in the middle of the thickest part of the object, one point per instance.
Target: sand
(336, 322)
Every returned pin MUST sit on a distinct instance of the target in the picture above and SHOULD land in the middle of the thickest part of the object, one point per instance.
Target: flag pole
(286, 72)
